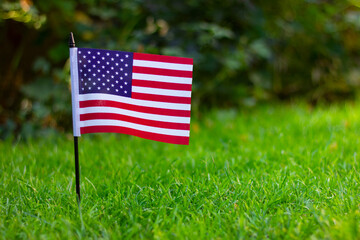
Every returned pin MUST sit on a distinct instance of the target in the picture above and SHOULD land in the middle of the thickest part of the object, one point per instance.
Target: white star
(121, 78)
(112, 59)
(98, 53)
(125, 91)
(103, 75)
(82, 89)
(103, 84)
(89, 70)
(126, 74)
(80, 61)
(108, 89)
(89, 61)
(93, 57)
(117, 81)
(112, 85)
(103, 67)
(85, 65)
(107, 63)
(85, 84)
(94, 74)
(99, 88)
(85, 74)
(79, 51)
(125, 83)
(121, 86)
(89, 79)
(126, 55)
(116, 73)
(98, 62)
(121, 69)
(107, 54)
(126, 65)
(112, 76)
(108, 80)
(107, 71)
(80, 70)
(116, 90)
(84, 56)
(117, 54)
(94, 83)
(89, 88)
(112, 68)
(103, 58)
(122, 60)
(88, 52)
(82, 79)
(93, 66)
(116, 64)
(98, 79)
(98, 70)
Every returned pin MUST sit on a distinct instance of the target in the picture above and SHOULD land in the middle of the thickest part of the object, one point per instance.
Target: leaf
(260, 48)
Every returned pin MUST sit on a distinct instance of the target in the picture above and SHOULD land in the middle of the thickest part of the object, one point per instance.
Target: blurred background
(245, 52)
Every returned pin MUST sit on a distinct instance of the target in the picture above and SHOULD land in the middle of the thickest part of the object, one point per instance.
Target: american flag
(139, 94)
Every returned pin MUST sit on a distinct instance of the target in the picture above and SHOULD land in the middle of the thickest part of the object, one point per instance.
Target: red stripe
(163, 85)
(143, 109)
(152, 123)
(162, 58)
(160, 98)
(138, 133)
(162, 72)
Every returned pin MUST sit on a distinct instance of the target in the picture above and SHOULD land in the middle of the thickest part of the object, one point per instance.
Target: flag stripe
(143, 109)
(159, 78)
(149, 116)
(136, 102)
(134, 132)
(164, 65)
(114, 116)
(164, 85)
(163, 92)
(159, 98)
(162, 58)
(162, 72)
(118, 123)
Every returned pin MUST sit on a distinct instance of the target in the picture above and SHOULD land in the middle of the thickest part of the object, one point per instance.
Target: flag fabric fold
(144, 95)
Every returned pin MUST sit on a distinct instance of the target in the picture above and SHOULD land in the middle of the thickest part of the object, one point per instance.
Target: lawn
(275, 171)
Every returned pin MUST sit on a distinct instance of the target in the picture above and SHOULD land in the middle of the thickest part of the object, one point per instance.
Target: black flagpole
(76, 150)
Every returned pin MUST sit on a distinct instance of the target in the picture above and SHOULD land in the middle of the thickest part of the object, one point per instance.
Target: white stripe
(159, 91)
(137, 102)
(148, 116)
(75, 91)
(172, 132)
(159, 78)
(164, 65)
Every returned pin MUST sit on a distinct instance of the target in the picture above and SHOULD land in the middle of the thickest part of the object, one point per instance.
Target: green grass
(284, 171)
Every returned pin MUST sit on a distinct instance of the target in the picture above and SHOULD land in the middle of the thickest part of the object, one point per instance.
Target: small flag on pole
(139, 94)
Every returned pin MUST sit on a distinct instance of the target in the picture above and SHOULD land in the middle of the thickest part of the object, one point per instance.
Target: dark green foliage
(244, 51)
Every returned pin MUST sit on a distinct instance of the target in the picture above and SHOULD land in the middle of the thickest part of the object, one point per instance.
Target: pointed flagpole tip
(71, 40)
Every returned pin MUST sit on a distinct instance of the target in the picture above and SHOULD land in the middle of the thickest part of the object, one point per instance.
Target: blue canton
(104, 71)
